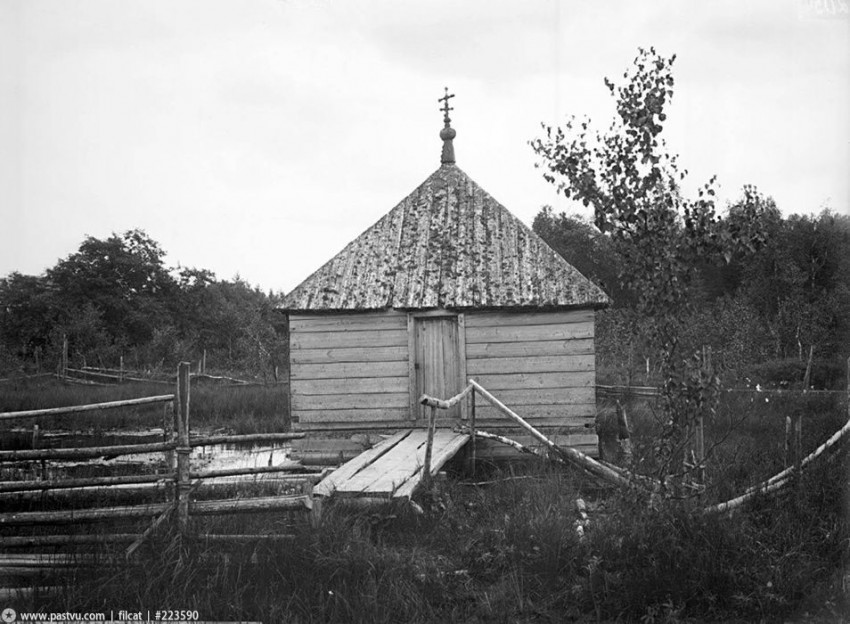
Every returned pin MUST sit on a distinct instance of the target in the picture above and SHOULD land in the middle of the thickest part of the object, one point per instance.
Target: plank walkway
(393, 467)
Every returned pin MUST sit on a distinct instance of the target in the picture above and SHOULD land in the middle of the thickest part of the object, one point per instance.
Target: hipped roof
(448, 244)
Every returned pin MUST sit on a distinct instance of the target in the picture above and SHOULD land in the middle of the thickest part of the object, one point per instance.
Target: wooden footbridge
(394, 467)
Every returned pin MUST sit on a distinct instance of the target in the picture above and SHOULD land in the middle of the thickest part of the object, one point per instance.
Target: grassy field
(503, 552)
(240, 409)
(503, 546)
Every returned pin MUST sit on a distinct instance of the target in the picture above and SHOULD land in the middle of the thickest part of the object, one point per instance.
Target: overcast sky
(258, 137)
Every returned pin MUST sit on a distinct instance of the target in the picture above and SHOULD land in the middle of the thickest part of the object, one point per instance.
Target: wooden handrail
(578, 458)
(447, 404)
(434, 404)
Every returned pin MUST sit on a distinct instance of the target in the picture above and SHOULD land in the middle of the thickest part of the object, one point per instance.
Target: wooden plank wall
(352, 371)
(541, 365)
(349, 371)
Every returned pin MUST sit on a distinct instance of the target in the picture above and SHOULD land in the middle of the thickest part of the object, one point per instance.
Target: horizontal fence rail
(622, 476)
(91, 452)
(69, 484)
(75, 409)
(177, 445)
(571, 455)
(296, 502)
(654, 391)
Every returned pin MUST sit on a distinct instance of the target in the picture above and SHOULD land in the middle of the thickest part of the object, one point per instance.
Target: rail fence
(177, 445)
(618, 475)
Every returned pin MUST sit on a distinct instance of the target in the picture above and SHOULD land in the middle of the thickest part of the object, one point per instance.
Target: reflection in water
(213, 457)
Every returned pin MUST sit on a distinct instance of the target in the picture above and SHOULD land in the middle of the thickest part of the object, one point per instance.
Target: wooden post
(168, 433)
(426, 469)
(35, 443)
(472, 432)
(64, 356)
(790, 427)
(183, 449)
(121, 370)
(798, 449)
(316, 506)
(624, 437)
(794, 428)
(204, 362)
(699, 433)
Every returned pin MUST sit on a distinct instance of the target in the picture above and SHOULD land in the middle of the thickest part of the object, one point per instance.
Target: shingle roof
(448, 244)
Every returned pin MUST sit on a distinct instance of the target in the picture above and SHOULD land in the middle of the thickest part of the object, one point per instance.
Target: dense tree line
(116, 297)
(761, 312)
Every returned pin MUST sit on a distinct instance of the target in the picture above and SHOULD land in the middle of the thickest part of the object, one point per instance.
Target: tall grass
(504, 552)
(744, 440)
(505, 548)
(240, 409)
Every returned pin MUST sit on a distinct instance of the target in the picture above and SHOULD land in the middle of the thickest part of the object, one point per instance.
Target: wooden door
(438, 363)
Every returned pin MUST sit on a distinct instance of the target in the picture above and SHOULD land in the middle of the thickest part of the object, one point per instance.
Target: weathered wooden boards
(392, 468)
(448, 244)
(541, 364)
(347, 370)
(360, 370)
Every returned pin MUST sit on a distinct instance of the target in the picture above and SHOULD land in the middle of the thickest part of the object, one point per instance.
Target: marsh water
(212, 457)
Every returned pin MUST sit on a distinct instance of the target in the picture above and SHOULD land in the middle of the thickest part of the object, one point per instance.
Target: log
(215, 537)
(647, 482)
(183, 486)
(426, 470)
(87, 496)
(778, 480)
(447, 404)
(88, 371)
(67, 484)
(73, 516)
(472, 443)
(235, 472)
(30, 541)
(73, 409)
(144, 380)
(573, 456)
(89, 452)
(299, 502)
(736, 503)
(153, 527)
(484, 435)
(249, 437)
(106, 369)
(784, 474)
(84, 382)
(23, 377)
(233, 380)
(39, 572)
(110, 495)
(50, 560)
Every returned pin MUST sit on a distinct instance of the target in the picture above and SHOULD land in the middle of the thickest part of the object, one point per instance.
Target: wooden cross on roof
(446, 108)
